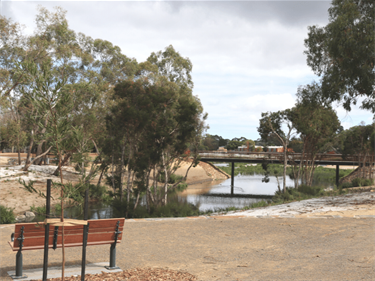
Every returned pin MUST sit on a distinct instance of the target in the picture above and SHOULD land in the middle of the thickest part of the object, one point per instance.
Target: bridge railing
(274, 155)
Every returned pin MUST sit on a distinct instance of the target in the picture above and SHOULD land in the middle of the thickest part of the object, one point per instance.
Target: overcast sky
(247, 55)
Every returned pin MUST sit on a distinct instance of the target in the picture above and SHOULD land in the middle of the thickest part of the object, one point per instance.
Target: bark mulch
(135, 274)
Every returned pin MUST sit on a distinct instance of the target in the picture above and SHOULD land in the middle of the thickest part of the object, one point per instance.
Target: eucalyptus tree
(157, 122)
(342, 53)
(358, 142)
(280, 125)
(318, 125)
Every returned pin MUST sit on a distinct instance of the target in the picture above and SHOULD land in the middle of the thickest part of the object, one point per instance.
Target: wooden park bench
(30, 236)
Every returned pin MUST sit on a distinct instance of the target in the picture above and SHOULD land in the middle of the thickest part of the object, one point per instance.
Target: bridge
(278, 158)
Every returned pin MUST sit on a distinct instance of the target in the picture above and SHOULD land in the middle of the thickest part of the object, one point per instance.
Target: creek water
(207, 196)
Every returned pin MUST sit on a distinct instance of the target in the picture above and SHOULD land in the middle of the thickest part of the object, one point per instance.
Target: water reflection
(207, 196)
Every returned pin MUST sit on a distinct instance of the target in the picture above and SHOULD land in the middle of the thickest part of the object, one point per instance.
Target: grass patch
(6, 215)
(175, 208)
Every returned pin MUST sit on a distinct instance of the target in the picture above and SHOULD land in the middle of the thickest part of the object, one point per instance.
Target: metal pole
(19, 265)
(46, 233)
(232, 180)
(337, 175)
(85, 234)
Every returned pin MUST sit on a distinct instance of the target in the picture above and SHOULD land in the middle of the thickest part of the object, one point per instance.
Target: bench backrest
(100, 232)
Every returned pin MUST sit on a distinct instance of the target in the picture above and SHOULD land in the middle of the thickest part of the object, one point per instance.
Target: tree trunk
(29, 151)
(19, 156)
(121, 171)
(166, 179)
(285, 163)
(100, 177)
(136, 202)
(39, 151)
(27, 165)
(63, 163)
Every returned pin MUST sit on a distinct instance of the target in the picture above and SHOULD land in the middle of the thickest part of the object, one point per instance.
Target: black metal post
(19, 262)
(85, 234)
(112, 256)
(232, 180)
(337, 175)
(112, 251)
(46, 233)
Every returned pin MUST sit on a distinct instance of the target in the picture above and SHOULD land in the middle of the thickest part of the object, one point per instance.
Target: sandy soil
(230, 248)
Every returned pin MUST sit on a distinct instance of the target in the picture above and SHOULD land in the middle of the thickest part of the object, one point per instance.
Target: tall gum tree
(342, 53)
(272, 123)
(317, 124)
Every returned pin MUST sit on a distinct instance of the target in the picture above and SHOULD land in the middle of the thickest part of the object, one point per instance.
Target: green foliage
(342, 53)
(77, 192)
(40, 210)
(99, 192)
(322, 175)
(357, 140)
(271, 125)
(233, 144)
(213, 142)
(175, 208)
(346, 185)
(358, 182)
(260, 204)
(303, 192)
(171, 179)
(6, 215)
(296, 145)
(30, 188)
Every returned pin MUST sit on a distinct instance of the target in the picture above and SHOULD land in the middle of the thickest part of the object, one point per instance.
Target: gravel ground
(136, 274)
(231, 248)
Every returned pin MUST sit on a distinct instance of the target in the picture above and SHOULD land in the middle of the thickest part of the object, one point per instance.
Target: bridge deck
(260, 157)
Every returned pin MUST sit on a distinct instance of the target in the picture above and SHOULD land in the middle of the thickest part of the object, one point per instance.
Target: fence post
(85, 234)
(232, 180)
(46, 233)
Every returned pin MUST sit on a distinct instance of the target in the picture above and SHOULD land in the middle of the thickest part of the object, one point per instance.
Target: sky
(247, 56)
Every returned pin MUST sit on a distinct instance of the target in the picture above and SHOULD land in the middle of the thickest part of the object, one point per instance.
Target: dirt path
(230, 248)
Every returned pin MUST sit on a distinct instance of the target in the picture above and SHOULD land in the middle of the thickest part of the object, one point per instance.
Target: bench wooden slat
(69, 238)
(94, 224)
(66, 245)
(100, 232)
(41, 233)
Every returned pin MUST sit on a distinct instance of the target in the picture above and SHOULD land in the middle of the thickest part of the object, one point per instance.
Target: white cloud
(247, 55)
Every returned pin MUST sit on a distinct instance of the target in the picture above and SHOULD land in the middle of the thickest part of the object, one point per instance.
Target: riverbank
(14, 196)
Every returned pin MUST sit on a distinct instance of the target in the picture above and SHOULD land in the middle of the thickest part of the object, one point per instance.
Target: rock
(29, 215)
(20, 218)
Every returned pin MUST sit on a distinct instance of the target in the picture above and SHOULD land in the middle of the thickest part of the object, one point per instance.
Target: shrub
(356, 182)
(362, 182)
(310, 190)
(368, 182)
(98, 192)
(346, 185)
(6, 215)
(38, 210)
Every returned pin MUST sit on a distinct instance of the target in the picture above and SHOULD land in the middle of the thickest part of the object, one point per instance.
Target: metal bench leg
(19, 274)
(112, 258)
